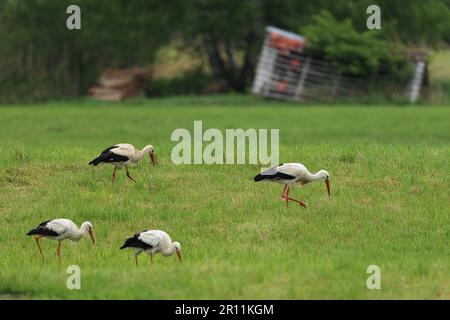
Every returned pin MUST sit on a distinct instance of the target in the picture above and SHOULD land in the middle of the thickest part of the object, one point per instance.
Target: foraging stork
(123, 154)
(290, 173)
(153, 242)
(59, 230)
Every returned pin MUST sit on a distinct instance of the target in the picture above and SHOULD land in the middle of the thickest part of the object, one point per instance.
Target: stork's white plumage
(123, 154)
(153, 242)
(290, 173)
(59, 230)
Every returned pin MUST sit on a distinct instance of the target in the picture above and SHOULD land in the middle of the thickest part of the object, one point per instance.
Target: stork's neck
(315, 176)
(169, 250)
(81, 231)
(141, 153)
(318, 175)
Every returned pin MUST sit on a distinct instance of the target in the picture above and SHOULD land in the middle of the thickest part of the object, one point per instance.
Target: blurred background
(159, 48)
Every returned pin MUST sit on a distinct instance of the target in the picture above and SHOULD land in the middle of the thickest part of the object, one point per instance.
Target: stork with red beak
(291, 173)
(123, 154)
(153, 242)
(59, 230)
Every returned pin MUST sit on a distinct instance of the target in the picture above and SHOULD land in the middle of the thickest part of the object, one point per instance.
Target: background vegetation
(41, 59)
(361, 54)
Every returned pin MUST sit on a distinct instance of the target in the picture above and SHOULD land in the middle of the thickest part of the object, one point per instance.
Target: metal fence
(285, 72)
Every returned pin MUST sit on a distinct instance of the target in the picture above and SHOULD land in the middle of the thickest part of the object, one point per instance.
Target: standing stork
(59, 230)
(290, 173)
(123, 154)
(153, 242)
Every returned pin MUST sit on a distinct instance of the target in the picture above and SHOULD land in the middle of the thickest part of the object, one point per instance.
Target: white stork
(59, 230)
(290, 173)
(153, 242)
(123, 154)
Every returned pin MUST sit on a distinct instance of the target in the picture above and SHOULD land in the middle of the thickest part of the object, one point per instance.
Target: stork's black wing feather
(134, 242)
(273, 174)
(108, 149)
(43, 230)
(274, 177)
(108, 156)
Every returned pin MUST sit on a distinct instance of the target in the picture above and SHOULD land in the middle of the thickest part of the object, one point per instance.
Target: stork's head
(177, 247)
(151, 151)
(87, 227)
(326, 176)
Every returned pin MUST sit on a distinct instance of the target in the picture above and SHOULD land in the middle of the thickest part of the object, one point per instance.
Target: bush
(185, 84)
(361, 54)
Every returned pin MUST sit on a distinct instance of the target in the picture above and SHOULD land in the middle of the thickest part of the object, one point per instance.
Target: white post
(413, 89)
(301, 80)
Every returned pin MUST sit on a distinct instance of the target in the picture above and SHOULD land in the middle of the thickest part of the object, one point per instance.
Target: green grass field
(389, 205)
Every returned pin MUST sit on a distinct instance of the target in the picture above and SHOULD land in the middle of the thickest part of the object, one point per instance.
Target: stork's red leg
(114, 174)
(128, 174)
(136, 257)
(40, 249)
(284, 192)
(298, 201)
(59, 250)
(287, 196)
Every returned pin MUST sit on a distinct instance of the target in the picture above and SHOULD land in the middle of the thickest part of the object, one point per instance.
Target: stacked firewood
(120, 84)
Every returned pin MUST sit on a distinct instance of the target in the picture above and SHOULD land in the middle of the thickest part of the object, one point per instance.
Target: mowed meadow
(389, 203)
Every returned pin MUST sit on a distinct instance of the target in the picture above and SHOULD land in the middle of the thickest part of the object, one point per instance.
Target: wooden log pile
(120, 84)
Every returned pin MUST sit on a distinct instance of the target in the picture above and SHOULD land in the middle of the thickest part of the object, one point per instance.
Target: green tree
(41, 58)
(355, 53)
(231, 33)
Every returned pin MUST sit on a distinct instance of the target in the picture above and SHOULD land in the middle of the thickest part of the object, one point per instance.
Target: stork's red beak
(152, 156)
(91, 233)
(179, 255)
(327, 182)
